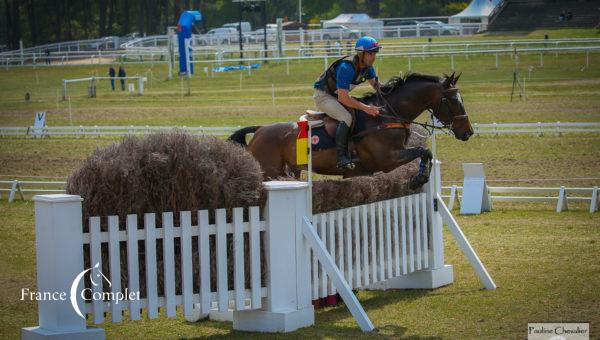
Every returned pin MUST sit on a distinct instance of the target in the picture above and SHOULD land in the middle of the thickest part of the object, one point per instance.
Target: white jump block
(475, 195)
(264, 321)
(422, 279)
(38, 333)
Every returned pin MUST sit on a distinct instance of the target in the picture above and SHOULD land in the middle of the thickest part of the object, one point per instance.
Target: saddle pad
(320, 139)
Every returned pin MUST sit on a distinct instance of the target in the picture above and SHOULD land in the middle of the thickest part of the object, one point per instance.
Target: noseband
(444, 100)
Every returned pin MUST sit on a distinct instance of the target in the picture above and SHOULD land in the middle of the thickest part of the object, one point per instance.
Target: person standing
(122, 75)
(111, 74)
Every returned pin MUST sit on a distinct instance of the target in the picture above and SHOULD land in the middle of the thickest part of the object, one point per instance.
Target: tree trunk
(17, 22)
(141, 15)
(165, 16)
(69, 19)
(32, 22)
(12, 31)
(125, 17)
(151, 15)
(58, 16)
(102, 18)
(111, 16)
(86, 18)
(176, 12)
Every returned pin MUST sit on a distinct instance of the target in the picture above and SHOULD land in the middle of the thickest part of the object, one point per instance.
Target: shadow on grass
(332, 321)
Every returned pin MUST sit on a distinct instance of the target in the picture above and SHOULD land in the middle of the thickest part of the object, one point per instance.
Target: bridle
(396, 116)
(443, 101)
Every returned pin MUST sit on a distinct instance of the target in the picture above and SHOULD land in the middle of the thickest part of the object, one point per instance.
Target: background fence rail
(96, 131)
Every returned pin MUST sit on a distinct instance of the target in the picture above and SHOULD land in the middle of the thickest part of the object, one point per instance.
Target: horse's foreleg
(405, 156)
(422, 176)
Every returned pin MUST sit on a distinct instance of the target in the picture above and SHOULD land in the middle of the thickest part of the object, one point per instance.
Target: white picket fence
(374, 242)
(396, 243)
(166, 234)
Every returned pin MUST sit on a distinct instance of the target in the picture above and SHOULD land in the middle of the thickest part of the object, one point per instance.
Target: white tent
(358, 21)
(477, 11)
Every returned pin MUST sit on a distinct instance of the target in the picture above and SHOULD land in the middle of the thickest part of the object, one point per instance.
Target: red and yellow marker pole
(304, 155)
(302, 143)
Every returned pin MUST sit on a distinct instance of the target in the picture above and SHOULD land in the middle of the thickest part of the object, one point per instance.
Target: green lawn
(546, 264)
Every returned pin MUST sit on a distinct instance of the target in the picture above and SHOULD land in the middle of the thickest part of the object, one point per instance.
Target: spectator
(111, 74)
(569, 15)
(47, 52)
(562, 16)
(122, 75)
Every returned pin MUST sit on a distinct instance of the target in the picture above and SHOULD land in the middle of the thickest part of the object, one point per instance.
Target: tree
(33, 31)
(13, 23)
(102, 18)
(372, 8)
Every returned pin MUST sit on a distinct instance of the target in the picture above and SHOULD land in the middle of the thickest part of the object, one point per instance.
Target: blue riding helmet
(367, 44)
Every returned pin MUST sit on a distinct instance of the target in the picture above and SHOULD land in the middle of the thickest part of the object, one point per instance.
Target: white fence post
(141, 85)
(562, 200)
(15, 187)
(594, 201)
(59, 260)
(453, 192)
(288, 306)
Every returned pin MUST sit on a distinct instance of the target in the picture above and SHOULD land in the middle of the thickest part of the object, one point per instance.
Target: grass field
(546, 264)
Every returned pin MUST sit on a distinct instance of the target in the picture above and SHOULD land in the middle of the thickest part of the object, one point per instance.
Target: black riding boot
(341, 145)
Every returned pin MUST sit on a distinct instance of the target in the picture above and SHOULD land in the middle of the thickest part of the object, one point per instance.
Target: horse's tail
(239, 136)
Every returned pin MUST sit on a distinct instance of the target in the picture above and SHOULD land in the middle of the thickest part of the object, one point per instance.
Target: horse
(381, 145)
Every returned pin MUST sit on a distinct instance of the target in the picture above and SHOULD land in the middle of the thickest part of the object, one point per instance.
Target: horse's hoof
(346, 166)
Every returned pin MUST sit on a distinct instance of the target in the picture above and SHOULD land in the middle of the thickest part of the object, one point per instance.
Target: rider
(332, 87)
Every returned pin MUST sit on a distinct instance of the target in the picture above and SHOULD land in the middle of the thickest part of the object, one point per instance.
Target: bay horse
(381, 144)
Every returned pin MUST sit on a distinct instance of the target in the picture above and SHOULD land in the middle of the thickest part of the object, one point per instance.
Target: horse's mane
(396, 82)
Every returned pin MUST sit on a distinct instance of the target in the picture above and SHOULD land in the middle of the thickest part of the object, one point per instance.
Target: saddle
(317, 119)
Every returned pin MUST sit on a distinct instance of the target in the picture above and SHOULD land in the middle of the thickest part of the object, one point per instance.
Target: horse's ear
(456, 79)
(449, 80)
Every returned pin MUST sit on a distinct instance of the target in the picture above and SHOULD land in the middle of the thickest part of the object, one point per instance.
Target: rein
(396, 116)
